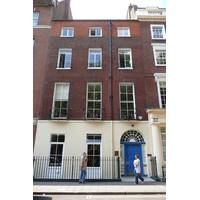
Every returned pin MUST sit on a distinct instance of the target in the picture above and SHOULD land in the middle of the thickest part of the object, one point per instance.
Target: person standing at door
(83, 167)
(136, 164)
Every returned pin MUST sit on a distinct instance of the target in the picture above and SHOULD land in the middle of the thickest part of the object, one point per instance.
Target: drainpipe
(110, 77)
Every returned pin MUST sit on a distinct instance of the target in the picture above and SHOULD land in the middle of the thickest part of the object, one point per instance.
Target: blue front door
(130, 149)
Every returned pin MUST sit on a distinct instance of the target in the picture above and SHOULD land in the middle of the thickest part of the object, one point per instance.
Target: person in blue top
(136, 164)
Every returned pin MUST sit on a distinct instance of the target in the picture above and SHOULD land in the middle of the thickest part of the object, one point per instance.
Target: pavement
(126, 186)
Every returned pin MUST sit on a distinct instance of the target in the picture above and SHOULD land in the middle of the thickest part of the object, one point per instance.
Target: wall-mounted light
(132, 125)
(139, 117)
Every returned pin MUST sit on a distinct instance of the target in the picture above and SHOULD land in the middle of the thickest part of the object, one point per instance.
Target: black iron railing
(93, 114)
(69, 169)
(164, 171)
(58, 113)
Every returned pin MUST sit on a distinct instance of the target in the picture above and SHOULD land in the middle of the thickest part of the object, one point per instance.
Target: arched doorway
(130, 144)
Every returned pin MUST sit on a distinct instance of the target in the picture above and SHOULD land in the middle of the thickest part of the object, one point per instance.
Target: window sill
(94, 36)
(94, 68)
(124, 36)
(121, 68)
(160, 65)
(67, 36)
(63, 68)
(158, 38)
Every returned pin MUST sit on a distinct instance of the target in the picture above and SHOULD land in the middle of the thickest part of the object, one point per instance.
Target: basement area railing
(68, 168)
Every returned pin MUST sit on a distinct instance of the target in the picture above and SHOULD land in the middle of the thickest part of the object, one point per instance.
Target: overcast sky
(108, 9)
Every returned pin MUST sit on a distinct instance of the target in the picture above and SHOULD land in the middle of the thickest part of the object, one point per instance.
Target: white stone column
(156, 144)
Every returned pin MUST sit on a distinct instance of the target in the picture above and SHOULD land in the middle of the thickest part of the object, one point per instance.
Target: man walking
(83, 167)
(136, 164)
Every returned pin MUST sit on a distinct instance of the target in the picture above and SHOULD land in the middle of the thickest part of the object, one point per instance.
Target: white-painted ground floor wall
(104, 138)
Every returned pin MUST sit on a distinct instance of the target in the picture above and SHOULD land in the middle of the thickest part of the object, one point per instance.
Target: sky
(108, 9)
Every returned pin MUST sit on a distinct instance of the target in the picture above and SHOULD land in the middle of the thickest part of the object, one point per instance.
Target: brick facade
(79, 75)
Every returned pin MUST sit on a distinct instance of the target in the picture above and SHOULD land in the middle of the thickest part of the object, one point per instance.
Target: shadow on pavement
(41, 198)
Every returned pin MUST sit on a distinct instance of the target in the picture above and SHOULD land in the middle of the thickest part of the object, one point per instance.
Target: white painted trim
(67, 28)
(163, 29)
(157, 47)
(58, 61)
(118, 28)
(94, 49)
(42, 26)
(95, 32)
(131, 61)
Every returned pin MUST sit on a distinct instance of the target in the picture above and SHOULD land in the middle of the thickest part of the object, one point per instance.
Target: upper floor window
(157, 31)
(127, 101)
(95, 59)
(67, 32)
(35, 18)
(94, 110)
(95, 32)
(160, 78)
(159, 51)
(124, 58)
(64, 59)
(60, 101)
(123, 32)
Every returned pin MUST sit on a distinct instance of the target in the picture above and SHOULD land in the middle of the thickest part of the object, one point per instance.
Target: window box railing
(59, 113)
(93, 114)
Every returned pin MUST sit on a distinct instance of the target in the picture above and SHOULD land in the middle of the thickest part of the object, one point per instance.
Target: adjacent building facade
(104, 93)
(43, 13)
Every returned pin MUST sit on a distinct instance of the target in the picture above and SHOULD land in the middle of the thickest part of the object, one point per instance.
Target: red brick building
(43, 13)
(101, 81)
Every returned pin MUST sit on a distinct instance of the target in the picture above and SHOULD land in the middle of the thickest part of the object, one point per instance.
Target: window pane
(120, 32)
(130, 106)
(98, 32)
(61, 138)
(123, 106)
(96, 161)
(62, 60)
(123, 97)
(130, 97)
(64, 32)
(97, 150)
(90, 113)
(97, 105)
(97, 96)
(126, 32)
(90, 105)
(53, 138)
(92, 32)
(53, 149)
(91, 88)
(90, 138)
(123, 89)
(97, 114)
(98, 139)
(97, 88)
(90, 96)
(70, 32)
(90, 149)
(130, 89)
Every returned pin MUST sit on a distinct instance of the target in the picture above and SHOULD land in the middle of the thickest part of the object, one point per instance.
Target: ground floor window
(163, 141)
(93, 150)
(56, 149)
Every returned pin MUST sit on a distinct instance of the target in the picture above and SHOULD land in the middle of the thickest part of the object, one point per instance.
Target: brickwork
(79, 75)
(149, 63)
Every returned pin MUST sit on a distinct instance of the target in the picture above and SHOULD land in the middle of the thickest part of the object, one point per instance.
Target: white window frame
(67, 28)
(67, 52)
(152, 26)
(36, 18)
(130, 53)
(90, 50)
(160, 77)
(123, 29)
(94, 83)
(90, 170)
(163, 133)
(54, 96)
(159, 47)
(95, 28)
(134, 103)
